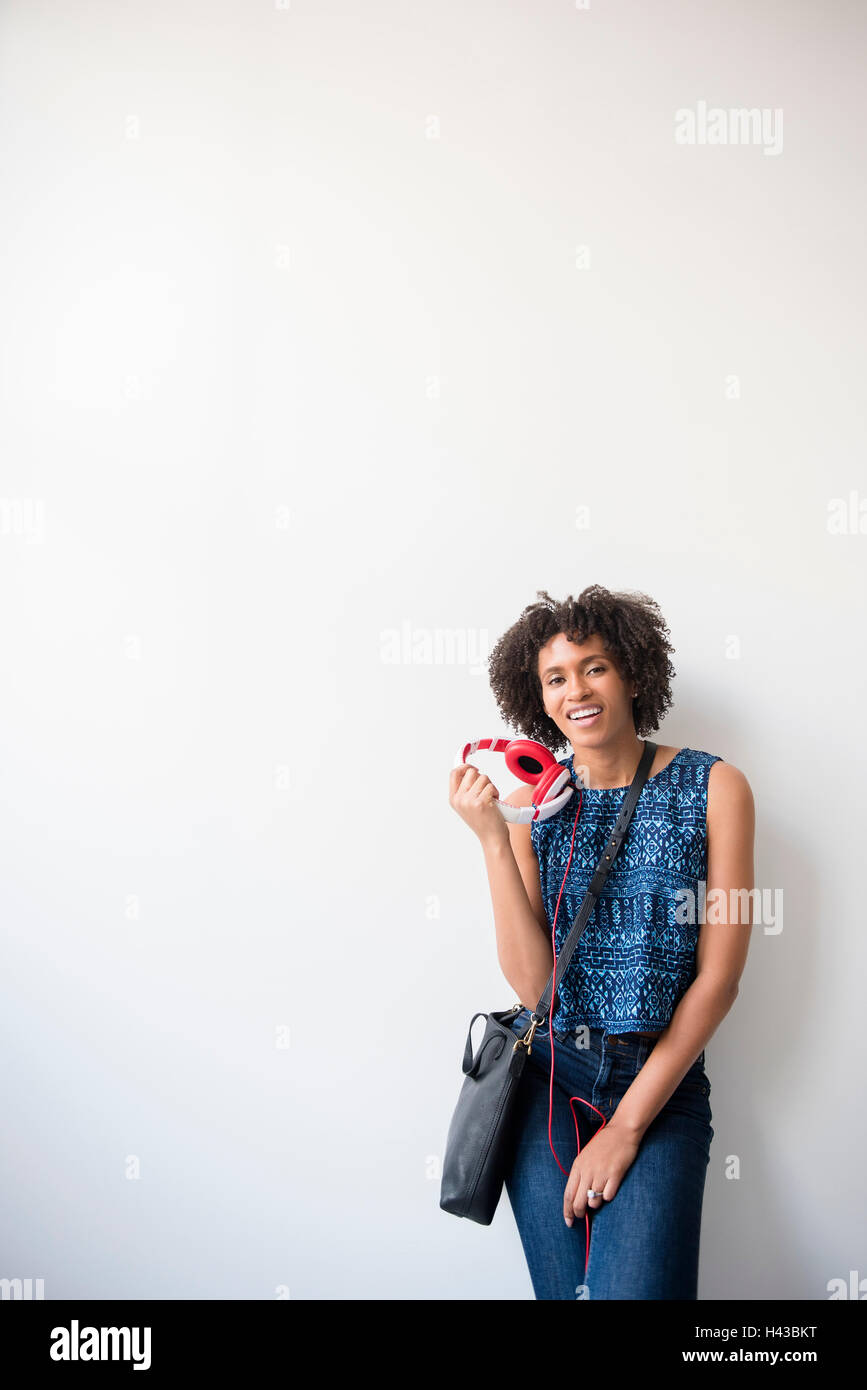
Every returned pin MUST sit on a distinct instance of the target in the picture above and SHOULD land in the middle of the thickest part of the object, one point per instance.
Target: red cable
(551, 1040)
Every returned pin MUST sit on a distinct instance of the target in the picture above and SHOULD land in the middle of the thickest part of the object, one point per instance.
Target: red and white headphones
(533, 763)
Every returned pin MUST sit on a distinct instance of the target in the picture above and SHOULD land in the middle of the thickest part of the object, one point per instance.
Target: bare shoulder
(728, 792)
(665, 754)
(521, 796)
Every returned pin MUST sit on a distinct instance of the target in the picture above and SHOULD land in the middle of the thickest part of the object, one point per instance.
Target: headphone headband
(532, 763)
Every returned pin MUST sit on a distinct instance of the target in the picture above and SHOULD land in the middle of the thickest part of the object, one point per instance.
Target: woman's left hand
(600, 1165)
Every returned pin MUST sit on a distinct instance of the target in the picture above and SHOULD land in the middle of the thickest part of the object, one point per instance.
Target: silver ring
(591, 1193)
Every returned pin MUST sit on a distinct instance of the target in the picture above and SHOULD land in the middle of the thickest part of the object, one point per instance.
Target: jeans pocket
(696, 1081)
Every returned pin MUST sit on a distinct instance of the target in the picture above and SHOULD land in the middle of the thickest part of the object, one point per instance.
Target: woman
(655, 970)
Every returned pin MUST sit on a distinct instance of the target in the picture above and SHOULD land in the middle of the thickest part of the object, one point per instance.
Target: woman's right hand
(473, 796)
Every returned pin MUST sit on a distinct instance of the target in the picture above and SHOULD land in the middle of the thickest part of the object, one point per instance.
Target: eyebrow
(596, 656)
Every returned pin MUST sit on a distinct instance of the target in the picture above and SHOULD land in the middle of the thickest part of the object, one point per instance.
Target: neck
(613, 765)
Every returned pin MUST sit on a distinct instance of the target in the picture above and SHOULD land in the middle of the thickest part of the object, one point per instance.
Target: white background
(300, 348)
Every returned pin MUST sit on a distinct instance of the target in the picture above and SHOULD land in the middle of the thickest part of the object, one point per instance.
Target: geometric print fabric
(636, 956)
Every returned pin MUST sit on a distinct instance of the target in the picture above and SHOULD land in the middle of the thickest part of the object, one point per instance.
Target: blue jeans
(644, 1242)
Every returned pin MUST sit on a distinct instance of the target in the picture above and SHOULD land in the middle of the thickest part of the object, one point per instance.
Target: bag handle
(540, 1013)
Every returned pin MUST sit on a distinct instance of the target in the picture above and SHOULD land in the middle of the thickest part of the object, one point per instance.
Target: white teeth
(584, 714)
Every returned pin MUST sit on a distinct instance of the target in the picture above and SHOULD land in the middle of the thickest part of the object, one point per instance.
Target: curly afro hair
(633, 631)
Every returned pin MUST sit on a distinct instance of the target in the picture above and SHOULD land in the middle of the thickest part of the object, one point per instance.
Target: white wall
(300, 348)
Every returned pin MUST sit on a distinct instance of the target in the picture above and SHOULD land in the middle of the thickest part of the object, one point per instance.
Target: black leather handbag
(481, 1130)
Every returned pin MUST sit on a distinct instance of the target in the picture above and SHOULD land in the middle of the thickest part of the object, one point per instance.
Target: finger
(580, 1202)
(603, 1188)
(479, 787)
(568, 1199)
(456, 777)
(465, 778)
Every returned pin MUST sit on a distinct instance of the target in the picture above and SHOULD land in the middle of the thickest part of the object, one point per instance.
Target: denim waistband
(631, 1047)
(621, 1041)
(626, 1043)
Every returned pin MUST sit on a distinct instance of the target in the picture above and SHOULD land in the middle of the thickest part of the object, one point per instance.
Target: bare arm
(524, 947)
(523, 935)
(721, 951)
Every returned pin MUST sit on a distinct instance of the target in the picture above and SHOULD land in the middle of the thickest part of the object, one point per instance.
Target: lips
(584, 719)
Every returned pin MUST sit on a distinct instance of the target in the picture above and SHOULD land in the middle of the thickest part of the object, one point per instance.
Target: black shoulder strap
(624, 817)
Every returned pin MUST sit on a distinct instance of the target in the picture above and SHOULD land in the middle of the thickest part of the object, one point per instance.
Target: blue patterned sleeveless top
(636, 955)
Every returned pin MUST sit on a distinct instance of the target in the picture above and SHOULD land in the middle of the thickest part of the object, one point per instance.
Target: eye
(590, 672)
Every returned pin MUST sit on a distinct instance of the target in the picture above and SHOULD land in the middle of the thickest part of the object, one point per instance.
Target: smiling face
(582, 676)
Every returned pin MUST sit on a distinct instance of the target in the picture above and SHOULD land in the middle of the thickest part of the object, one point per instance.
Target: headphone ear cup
(529, 760)
(555, 778)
